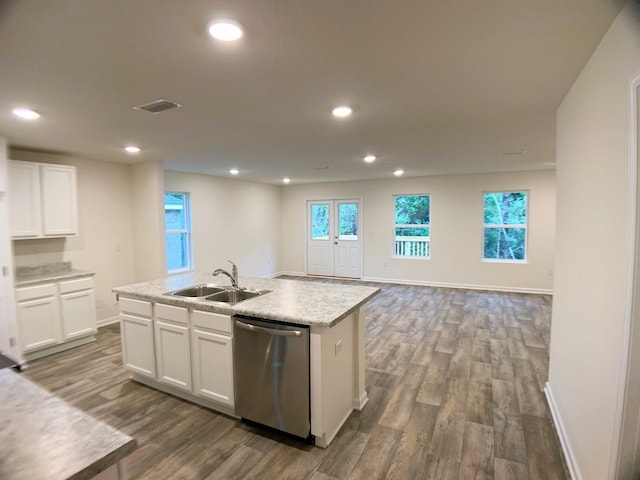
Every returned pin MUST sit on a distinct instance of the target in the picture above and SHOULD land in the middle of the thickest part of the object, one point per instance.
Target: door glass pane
(347, 221)
(177, 251)
(319, 222)
(174, 210)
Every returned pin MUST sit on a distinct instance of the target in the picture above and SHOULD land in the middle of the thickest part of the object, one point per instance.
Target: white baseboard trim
(107, 321)
(492, 288)
(295, 274)
(569, 456)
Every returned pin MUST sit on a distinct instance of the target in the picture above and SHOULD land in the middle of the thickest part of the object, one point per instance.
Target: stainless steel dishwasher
(271, 374)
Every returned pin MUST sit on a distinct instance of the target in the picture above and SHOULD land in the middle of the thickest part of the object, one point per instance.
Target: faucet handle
(234, 270)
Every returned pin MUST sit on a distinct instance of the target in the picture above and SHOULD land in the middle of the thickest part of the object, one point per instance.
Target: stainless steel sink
(197, 291)
(233, 296)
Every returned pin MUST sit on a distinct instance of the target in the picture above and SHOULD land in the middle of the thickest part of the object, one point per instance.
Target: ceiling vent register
(158, 106)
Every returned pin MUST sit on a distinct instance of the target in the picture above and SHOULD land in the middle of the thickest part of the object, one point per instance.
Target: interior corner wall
(456, 229)
(8, 320)
(588, 339)
(233, 220)
(147, 203)
(105, 241)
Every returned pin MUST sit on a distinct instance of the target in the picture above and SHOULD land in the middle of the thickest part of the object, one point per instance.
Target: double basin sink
(216, 293)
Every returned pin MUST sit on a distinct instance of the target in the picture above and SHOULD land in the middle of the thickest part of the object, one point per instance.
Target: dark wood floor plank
(543, 452)
(477, 460)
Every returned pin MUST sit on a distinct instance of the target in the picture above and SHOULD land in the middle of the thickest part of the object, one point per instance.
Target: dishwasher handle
(270, 331)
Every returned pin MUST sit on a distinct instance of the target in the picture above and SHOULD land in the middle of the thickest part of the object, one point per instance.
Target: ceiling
(437, 86)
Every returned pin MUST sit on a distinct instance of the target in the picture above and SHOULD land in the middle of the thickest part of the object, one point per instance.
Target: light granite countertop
(26, 280)
(306, 303)
(48, 272)
(44, 437)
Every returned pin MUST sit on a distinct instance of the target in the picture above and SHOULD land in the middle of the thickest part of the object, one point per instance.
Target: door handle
(270, 331)
(335, 243)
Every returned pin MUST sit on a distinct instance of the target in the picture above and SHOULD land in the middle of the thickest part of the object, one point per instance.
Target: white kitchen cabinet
(55, 316)
(213, 366)
(42, 200)
(59, 202)
(136, 330)
(77, 307)
(212, 356)
(24, 200)
(173, 354)
(38, 315)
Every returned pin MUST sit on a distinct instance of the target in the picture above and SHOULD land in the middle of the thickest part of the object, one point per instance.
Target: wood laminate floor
(454, 379)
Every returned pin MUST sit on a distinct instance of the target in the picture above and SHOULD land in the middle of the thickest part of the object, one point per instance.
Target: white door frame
(625, 454)
(335, 200)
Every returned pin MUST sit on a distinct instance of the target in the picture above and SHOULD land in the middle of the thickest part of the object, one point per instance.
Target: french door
(334, 240)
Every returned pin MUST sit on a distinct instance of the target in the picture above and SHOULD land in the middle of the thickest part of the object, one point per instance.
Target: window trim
(525, 225)
(426, 226)
(187, 230)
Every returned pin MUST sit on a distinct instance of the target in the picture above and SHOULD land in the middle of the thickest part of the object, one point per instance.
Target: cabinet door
(137, 344)
(173, 354)
(213, 366)
(78, 314)
(39, 323)
(24, 200)
(59, 204)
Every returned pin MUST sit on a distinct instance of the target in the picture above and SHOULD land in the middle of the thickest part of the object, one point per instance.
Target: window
(177, 231)
(411, 237)
(505, 226)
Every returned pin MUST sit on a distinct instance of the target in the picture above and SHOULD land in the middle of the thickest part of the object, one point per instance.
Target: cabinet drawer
(136, 307)
(212, 321)
(172, 313)
(69, 286)
(38, 291)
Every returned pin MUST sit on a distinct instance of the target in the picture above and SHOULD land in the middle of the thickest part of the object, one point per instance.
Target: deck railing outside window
(411, 246)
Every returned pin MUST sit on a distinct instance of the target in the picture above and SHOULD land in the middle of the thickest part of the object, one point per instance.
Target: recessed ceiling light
(234, 171)
(342, 111)
(370, 158)
(132, 149)
(25, 113)
(286, 180)
(225, 30)
(398, 172)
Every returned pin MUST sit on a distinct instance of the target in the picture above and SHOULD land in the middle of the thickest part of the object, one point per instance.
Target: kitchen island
(184, 345)
(44, 437)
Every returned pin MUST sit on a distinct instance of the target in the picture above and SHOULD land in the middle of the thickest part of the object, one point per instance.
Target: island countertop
(293, 301)
(44, 437)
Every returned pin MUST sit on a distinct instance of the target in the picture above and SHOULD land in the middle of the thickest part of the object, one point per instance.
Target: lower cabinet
(188, 350)
(173, 354)
(212, 366)
(38, 317)
(137, 345)
(78, 308)
(52, 314)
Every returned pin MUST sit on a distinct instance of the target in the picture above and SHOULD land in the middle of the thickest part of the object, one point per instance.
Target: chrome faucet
(233, 275)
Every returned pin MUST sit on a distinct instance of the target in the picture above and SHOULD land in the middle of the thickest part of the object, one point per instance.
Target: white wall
(105, 220)
(8, 325)
(588, 341)
(232, 220)
(147, 205)
(456, 229)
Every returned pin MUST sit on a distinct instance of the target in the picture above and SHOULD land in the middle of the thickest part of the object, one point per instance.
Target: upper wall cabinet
(42, 200)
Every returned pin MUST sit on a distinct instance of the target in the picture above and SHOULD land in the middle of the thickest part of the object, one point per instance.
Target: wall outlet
(117, 247)
(385, 264)
(550, 272)
(338, 347)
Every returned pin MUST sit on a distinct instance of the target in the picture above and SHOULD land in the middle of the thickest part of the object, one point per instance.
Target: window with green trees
(412, 219)
(177, 231)
(505, 226)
